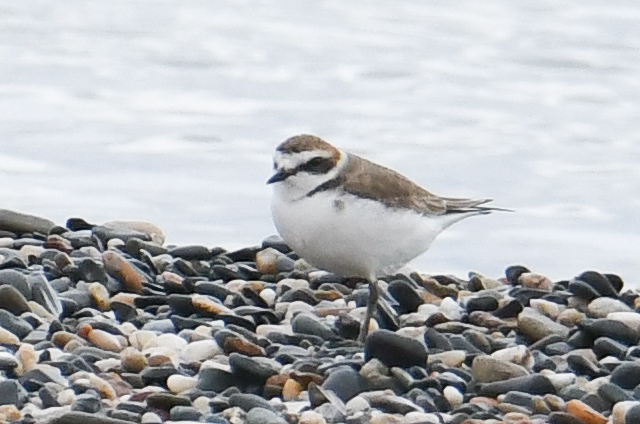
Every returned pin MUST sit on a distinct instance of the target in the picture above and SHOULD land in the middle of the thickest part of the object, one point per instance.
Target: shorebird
(355, 218)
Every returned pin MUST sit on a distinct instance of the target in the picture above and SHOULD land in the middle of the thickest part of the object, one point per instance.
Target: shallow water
(168, 112)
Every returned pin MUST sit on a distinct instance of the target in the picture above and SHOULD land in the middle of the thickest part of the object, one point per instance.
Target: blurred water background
(168, 112)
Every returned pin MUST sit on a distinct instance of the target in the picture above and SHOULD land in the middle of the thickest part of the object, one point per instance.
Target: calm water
(168, 112)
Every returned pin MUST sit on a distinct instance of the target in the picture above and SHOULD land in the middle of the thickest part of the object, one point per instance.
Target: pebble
(536, 326)
(603, 306)
(13, 301)
(394, 350)
(487, 369)
(150, 333)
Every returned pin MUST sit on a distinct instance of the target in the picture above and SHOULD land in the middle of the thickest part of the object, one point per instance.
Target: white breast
(351, 236)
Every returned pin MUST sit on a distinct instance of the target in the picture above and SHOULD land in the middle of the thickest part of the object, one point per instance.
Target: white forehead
(289, 160)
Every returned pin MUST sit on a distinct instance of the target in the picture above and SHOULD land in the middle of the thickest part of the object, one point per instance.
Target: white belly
(356, 238)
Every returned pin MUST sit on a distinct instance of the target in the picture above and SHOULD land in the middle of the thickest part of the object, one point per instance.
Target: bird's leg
(371, 308)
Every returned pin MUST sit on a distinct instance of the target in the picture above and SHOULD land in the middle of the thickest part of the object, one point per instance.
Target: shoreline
(105, 324)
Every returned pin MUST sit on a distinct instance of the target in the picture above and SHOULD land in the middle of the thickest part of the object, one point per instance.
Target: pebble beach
(108, 324)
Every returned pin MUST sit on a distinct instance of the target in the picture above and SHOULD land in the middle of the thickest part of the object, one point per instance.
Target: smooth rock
(584, 412)
(12, 393)
(17, 280)
(487, 369)
(394, 350)
(200, 351)
(19, 223)
(14, 324)
(603, 306)
(345, 382)
(626, 375)
(77, 417)
(13, 301)
(118, 267)
(307, 324)
(533, 384)
(536, 326)
(259, 415)
(179, 383)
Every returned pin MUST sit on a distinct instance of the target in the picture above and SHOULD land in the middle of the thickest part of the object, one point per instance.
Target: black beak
(281, 175)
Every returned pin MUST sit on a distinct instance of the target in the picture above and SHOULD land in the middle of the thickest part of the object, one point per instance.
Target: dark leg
(372, 302)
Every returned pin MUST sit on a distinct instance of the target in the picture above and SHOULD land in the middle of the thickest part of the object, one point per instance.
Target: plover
(355, 218)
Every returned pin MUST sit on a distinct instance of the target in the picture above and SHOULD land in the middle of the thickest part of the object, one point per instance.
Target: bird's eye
(275, 166)
(318, 165)
(315, 162)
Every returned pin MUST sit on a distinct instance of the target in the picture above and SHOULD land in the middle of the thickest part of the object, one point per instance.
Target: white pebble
(179, 383)
(200, 350)
(269, 296)
(451, 309)
(453, 396)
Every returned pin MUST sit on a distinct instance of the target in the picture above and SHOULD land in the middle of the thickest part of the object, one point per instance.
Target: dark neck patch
(327, 185)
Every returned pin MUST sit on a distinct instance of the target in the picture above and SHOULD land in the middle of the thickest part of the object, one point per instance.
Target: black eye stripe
(317, 165)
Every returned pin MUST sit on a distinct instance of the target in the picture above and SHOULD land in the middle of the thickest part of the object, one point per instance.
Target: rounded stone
(307, 324)
(291, 390)
(584, 412)
(259, 415)
(407, 296)
(482, 303)
(118, 267)
(345, 383)
(200, 351)
(536, 326)
(487, 369)
(626, 375)
(599, 282)
(13, 301)
(12, 393)
(535, 281)
(613, 329)
(7, 337)
(248, 401)
(185, 413)
(311, 417)
(16, 279)
(394, 350)
(14, 324)
(166, 401)
(86, 403)
(179, 383)
(20, 223)
(533, 384)
(603, 306)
